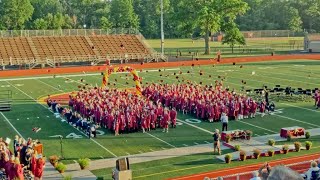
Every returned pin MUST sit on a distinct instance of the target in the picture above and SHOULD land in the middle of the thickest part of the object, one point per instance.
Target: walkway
(74, 169)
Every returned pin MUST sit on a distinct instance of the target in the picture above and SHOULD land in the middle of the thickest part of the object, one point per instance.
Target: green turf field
(27, 113)
(254, 47)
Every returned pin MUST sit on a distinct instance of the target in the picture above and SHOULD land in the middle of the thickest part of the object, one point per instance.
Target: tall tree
(15, 13)
(122, 14)
(294, 22)
(209, 15)
(233, 36)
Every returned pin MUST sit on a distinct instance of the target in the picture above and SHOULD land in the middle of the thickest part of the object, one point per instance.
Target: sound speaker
(122, 164)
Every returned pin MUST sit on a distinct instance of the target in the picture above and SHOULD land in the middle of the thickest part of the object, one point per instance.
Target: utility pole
(162, 32)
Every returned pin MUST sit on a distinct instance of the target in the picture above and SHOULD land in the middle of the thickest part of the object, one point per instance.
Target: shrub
(271, 152)
(308, 145)
(228, 156)
(84, 163)
(228, 138)
(54, 160)
(271, 142)
(237, 147)
(297, 146)
(307, 135)
(61, 167)
(285, 147)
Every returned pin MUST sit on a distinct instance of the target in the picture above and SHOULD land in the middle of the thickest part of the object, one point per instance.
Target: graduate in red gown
(165, 121)
(253, 109)
(262, 108)
(173, 117)
(18, 170)
(39, 169)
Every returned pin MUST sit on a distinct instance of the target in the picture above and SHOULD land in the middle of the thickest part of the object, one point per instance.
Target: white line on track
(161, 140)
(50, 111)
(11, 125)
(76, 75)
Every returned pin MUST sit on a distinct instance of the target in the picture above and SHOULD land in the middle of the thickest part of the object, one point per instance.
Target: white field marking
(185, 145)
(76, 75)
(297, 120)
(257, 126)
(163, 148)
(266, 133)
(195, 126)
(207, 142)
(161, 140)
(257, 134)
(75, 161)
(50, 111)
(127, 153)
(11, 125)
(310, 127)
(268, 67)
(27, 118)
(301, 107)
(140, 152)
(49, 85)
(299, 65)
(196, 143)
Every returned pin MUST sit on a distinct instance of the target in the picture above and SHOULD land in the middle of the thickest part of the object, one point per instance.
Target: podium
(122, 175)
(122, 170)
(38, 148)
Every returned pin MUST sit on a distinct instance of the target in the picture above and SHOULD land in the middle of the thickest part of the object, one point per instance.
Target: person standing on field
(216, 141)
(224, 120)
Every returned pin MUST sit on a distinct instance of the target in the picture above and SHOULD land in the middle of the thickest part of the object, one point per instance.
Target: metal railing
(66, 32)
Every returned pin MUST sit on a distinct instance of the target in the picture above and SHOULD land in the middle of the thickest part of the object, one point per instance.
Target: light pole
(162, 32)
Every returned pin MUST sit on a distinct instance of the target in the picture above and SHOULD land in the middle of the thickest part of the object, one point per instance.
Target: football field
(29, 112)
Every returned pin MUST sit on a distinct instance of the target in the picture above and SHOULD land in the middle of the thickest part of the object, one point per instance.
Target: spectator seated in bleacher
(314, 172)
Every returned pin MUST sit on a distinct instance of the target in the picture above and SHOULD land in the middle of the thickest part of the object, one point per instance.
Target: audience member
(255, 176)
(314, 172)
(283, 173)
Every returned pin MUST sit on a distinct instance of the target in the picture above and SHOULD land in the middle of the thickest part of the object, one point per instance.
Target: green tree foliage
(122, 14)
(105, 23)
(295, 22)
(15, 13)
(233, 36)
(210, 15)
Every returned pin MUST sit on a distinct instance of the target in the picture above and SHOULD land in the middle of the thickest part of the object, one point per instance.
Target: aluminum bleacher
(50, 47)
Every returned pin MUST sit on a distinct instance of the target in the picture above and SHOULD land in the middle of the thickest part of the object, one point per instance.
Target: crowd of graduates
(117, 110)
(23, 162)
(205, 102)
(124, 111)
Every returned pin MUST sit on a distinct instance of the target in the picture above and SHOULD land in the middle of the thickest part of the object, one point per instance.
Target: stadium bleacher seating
(60, 48)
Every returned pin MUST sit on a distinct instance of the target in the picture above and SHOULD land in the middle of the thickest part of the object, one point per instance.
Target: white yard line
(257, 126)
(296, 120)
(301, 107)
(11, 125)
(49, 85)
(50, 111)
(161, 140)
(207, 131)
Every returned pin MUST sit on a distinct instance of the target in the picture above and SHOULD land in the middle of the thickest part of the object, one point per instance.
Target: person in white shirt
(255, 175)
(313, 172)
(224, 120)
